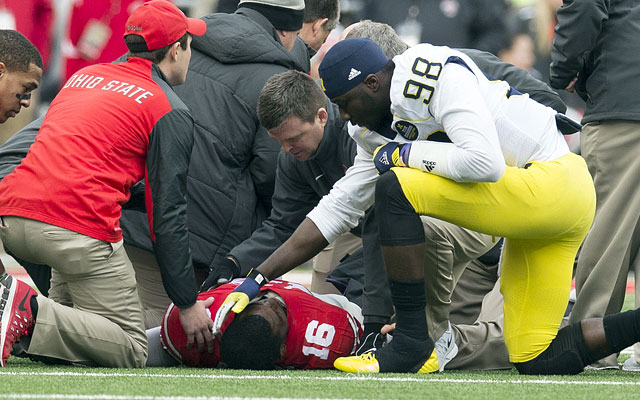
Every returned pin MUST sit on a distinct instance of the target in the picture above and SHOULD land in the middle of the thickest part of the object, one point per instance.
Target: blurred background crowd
(72, 34)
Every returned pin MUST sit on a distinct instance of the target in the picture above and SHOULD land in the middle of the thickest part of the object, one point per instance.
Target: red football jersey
(319, 332)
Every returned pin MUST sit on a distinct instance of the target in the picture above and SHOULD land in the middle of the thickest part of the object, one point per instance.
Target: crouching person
(110, 126)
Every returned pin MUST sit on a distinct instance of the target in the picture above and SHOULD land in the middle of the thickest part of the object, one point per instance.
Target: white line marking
(124, 397)
(345, 378)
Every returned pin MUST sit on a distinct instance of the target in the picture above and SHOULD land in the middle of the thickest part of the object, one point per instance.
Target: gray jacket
(599, 41)
(299, 187)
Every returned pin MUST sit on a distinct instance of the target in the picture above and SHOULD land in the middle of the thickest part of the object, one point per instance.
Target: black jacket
(516, 77)
(299, 187)
(598, 41)
(233, 163)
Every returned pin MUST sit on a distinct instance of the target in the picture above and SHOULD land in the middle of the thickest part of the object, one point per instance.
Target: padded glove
(392, 154)
(237, 300)
(220, 274)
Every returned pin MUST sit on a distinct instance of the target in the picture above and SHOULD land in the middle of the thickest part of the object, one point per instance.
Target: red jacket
(110, 125)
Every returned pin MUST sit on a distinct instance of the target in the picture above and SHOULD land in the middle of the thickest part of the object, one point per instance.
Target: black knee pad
(398, 222)
(566, 355)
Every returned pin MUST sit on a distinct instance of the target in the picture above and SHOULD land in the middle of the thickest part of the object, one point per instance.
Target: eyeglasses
(21, 96)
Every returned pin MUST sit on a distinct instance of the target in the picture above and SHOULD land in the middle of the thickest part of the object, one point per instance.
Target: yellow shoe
(364, 363)
(444, 351)
(431, 365)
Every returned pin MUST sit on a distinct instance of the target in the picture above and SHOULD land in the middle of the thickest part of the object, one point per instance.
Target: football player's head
(356, 75)
(293, 108)
(256, 337)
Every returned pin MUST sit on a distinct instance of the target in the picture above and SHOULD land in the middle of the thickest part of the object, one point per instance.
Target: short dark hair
(318, 9)
(17, 52)
(156, 55)
(287, 94)
(249, 343)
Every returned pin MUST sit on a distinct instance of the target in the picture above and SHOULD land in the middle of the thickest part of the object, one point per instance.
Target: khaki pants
(449, 249)
(451, 267)
(150, 289)
(481, 343)
(329, 258)
(105, 326)
(611, 151)
(154, 298)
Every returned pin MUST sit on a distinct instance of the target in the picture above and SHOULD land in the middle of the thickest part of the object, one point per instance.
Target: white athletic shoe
(631, 365)
(446, 347)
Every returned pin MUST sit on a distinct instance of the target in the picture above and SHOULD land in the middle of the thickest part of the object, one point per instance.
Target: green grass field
(23, 379)
(27, 380)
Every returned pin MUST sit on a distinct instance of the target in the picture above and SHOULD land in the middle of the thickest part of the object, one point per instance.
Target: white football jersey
(438, 92)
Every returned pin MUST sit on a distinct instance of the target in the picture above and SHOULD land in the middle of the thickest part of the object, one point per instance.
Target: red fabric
(90, 150)
(312, 322)
(34, 19)
(161, 23)
(84, 11)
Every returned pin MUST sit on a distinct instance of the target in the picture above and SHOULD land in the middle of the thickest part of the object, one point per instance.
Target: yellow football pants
(544, 213)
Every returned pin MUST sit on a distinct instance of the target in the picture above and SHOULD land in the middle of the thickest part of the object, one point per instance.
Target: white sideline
(319, 378)
(116, 397)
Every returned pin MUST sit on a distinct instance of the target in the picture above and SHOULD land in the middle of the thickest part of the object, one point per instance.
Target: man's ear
(323, 116)
(3, 69)
(173, 51)
(285, 34)
(372, 81)
(318, 25)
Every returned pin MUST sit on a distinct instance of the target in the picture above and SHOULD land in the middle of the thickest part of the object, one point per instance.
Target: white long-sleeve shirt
(438, 89)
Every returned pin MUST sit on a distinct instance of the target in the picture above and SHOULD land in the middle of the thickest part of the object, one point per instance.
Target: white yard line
(345, 378)
(115, 397)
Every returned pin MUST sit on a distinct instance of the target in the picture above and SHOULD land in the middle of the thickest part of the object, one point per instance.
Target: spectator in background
(94, 35)
(32, 18)
(520, 52)
(543, 23)
(476, 24)
(595, 53)
(320, 18)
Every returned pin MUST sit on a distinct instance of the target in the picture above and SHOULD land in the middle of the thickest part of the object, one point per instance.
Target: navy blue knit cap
(347, 63)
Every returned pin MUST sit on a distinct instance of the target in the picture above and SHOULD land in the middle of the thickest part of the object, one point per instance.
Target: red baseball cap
(160, 23)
